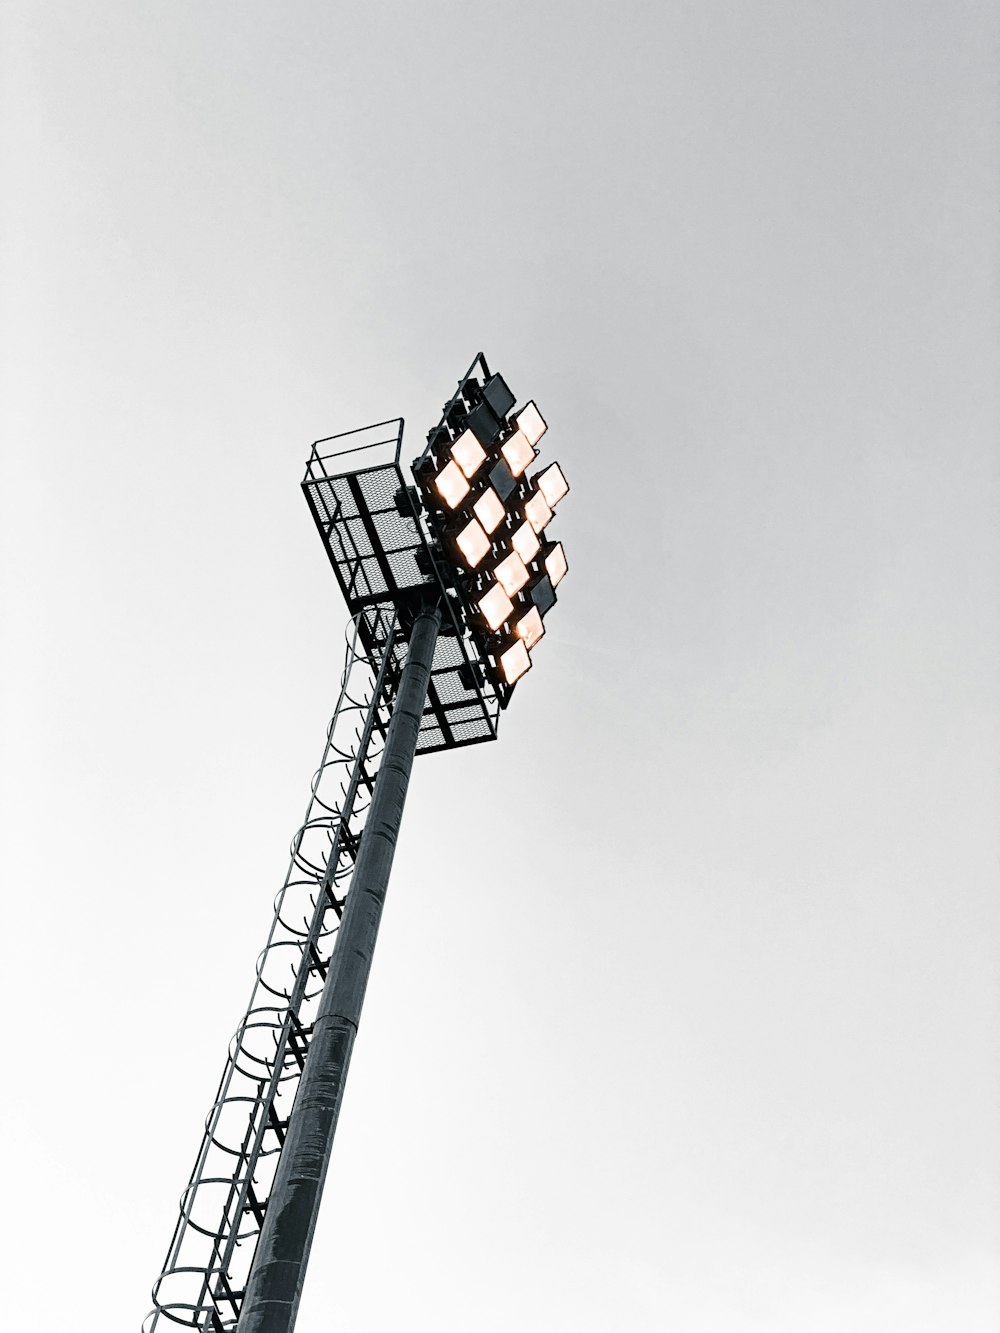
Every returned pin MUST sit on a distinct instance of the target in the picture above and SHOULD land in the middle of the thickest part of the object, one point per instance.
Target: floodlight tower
(448, 578)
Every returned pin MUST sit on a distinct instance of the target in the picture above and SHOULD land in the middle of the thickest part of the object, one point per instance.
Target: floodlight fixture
(451, 484)
(512, 574)
(484, 422)
(525, 542)
(531, 423)
(468, 453)
(515, 661)
(537, 511)
(552, 484)
(498, 395)
(530, 627)
(518, 453)
(473, 543)
(554, 560)
(502, 480)
(542, 594)
(489, 510)
(496, 606)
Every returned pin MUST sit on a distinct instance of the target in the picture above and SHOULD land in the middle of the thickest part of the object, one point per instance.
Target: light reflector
(531, 422)
(473, 542)
(517, 452)
(530, 628)
(451, 485)
(511, 574)
(470, 455)
(515, 661)
(496, 606)
(537, 511)
(489, 509)
(555, 563)
(552, 484)
(525, 542)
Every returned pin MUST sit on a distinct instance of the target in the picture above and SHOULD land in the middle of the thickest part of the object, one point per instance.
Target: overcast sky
(685, 1010)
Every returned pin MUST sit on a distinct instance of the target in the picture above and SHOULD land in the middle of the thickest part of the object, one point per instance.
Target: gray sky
(725, 1061)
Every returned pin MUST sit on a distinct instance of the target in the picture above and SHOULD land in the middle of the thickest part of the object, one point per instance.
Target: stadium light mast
(448, 581)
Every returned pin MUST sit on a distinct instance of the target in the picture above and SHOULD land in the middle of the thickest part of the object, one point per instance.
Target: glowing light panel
(537, 511)
(473, 542)
(469, 454)
(515, 661)
(489, 510)
(530, 628)
(555, 563)
(451, 485)
(531, 422)
(552, 484)
(525, 542)
(517, 452)
(496, 607)
(511, 574)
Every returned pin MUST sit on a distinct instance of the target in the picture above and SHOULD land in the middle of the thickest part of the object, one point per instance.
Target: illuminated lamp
(511, 574)
(537, 511)
(518, 452)
(497, 394)
(531, 423)
(470, 455)
(489, 509)
(525, 542)
(541, 593)
(473, 543)
(502, 480)
(554, 559)
(515, 661)
(496, 607)
(552, 484)
(530, 627)
(451, 485)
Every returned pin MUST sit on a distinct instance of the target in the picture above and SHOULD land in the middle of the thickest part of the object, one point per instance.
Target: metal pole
(274, 1286)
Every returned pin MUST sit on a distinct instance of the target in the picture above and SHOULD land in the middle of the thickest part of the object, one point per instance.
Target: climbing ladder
(222, 1209)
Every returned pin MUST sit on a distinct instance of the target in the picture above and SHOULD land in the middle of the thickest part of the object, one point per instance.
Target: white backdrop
(710, 1043)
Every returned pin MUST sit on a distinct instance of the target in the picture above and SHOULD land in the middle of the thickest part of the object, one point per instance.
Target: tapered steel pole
(274, 1286)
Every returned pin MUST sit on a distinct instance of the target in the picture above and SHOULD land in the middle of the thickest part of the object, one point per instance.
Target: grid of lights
(490, 512)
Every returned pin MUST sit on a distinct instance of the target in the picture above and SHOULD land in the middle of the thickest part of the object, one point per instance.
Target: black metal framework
(421, 675)
(372, 531)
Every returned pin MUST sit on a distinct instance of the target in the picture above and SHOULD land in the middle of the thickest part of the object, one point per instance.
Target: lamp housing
(469, 454)
(498, 395)
(552, 484)
(495, 607)
(451, 484)
(537, 511)
(554, 561)
(514, 661)
(541, 593)
(531, 423)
